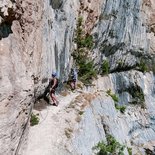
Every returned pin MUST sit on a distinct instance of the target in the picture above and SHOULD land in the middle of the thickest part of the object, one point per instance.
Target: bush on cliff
(81, 55)
(34, 120)
(112, 147)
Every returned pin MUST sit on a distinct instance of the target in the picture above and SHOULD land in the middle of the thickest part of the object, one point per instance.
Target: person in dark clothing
(50, 89)
(53, 86)
(74, 77)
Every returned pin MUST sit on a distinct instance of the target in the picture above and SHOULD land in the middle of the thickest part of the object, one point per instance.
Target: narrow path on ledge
(42, 137)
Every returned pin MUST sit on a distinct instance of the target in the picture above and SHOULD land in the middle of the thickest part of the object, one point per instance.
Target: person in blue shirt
(74, 78)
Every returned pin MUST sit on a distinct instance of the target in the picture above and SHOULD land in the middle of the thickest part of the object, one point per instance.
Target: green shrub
(87, 72)
(140, 95)
(105, 67)
(108, 91)
(34, 120)
(129, 150)
(81, 55)
(79, 32)
(137, 95)
(82, 39)
(87, 41)
(121, 108)
(114, 97)
(112, 147)
(147, 65)
(143, 66)
(80, 20)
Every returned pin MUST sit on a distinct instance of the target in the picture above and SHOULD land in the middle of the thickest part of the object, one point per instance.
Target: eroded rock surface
(37, 37)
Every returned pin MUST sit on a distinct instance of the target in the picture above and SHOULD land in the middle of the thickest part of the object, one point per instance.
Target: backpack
(51, 83)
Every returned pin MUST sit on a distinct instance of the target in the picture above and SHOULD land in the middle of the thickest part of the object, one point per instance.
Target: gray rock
(135, 128)
(122, 36)
(37, 37)
(31, 47)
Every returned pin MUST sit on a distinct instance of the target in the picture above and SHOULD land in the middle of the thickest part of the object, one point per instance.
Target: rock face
(37, 37)
(134, 128)
(90, 115)
(122, 35)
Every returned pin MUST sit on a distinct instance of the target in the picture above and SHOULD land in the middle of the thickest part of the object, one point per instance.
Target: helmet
(54, 74)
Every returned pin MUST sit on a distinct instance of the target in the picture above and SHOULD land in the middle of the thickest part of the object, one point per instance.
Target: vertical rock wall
(135, 128)
(35, 39)
(122, 34)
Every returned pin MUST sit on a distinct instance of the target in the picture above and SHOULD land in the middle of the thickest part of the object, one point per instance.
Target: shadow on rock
(40, 105)
(5, 30)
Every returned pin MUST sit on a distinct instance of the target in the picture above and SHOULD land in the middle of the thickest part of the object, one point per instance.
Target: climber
(74, 77)
(53, 85)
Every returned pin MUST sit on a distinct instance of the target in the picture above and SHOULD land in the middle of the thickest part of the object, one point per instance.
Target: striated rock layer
(124, 34)
(135, 128)
(37, 37)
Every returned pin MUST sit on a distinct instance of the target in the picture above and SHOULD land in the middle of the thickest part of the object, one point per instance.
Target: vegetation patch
(143, 66)
(129, 150)
(105, 67)
(137, 95)
(121, 108)
(112, 147)
(87, 71)
(34, 119)
(81, 55)
(88, 41)
(114, 97)
(82, 39)
(146, 65)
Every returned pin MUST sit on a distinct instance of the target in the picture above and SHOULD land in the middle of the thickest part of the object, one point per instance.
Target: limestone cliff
(37, 37)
